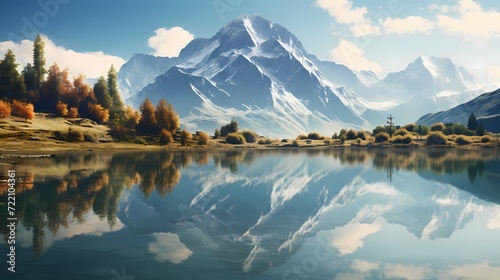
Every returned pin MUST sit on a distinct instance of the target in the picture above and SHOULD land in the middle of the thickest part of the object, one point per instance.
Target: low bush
(461, 140)
(295, 143)
(165, 137)
(250, 136)
(91, 137)
(313, 136)
(407, 139)
(5, 109)
(23, 110)
(203, 138)
(185, 137)
(328, 142)
(75, 135)
(302, 137)
(437, 127)
(436, 138)
(235, 138)
(361, 135)
(401, 132)
(486, 139)
(381, 137)
(351, 134)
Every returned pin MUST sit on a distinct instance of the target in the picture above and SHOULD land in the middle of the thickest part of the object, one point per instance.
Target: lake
(256, 214)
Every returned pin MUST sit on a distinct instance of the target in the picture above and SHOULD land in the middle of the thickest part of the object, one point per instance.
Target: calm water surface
(331, 214)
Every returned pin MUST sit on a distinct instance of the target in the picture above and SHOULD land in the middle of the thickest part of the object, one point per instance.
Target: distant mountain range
(259, 73)
(485, 107)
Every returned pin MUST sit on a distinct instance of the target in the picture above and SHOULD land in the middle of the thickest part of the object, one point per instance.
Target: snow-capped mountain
(258, 72)
(428, 84)
(141, 70)
(485, 107)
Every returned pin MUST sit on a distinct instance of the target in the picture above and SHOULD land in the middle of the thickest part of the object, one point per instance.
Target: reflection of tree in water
(54, 198)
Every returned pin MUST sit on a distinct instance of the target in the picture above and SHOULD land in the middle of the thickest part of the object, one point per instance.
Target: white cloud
(342, 10)
(168, 247)
(169, 42)
(91, 64)
(349, 54)
(441, 8)
(408, 25)
(473, 21)
(349, 238)
(344, 13)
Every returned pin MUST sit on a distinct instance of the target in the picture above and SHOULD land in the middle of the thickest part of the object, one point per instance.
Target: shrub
(231, 127)
(436, 138)
(234, 138)
(165, 137)
(410, 127)
(185, 137)
(73, 113)
(250, 136)
(203, 138)
(23, 110)
(268, 141)
(350, 134)
(328, 142)
(62, 109)
(302, 137)
(362, 135)
(216, 133)
(381, 137)
(401, 132)
(407, 139)
(313, 136)
(260, 142)
(119, 132)
(342, 139)
(335, 136)
(295, 143)
(91, 137)
(358, 140)
(437, 127)
(461, 140)
(422, 130)
(486, 139)
(75, 135)
(378, 129)
(5, 109)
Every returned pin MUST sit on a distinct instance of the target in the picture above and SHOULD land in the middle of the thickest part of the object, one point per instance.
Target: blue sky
(382, 36)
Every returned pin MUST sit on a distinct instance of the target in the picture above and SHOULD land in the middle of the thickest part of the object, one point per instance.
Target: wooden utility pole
(390, 124)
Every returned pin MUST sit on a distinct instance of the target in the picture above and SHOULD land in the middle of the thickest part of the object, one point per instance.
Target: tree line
(55, 91)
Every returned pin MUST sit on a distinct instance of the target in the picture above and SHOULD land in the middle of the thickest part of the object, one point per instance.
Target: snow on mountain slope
(259, 73)
(139, 71)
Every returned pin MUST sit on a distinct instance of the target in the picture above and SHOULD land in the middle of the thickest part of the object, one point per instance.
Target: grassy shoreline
(37, 136)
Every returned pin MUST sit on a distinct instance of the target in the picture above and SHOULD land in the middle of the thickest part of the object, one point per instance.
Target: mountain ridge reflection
(253, 210)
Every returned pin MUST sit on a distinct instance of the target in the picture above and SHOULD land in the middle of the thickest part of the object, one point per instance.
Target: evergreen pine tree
(101, 93)
(39, 61)
(11, 82)
(472, 122)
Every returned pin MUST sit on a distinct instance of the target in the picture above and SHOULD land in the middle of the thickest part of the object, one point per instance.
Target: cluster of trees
(55, 91)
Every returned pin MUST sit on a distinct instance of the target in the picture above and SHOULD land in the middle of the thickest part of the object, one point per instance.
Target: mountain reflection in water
(259, 213)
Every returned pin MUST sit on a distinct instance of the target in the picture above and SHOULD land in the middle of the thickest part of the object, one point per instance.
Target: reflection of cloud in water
(168, 247)
(474, 271)
(349, 238)
(93, 226)
(362, 269)
(494, 221)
